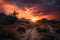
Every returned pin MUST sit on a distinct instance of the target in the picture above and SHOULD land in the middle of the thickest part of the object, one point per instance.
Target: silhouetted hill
(44, 20)
(4, 19)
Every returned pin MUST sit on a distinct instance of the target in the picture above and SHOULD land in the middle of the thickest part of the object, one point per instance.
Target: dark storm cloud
(47, 5)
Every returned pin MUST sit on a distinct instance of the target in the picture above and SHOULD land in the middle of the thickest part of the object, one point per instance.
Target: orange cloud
(27, 13)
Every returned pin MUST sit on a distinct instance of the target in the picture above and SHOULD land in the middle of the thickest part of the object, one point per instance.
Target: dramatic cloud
(43, 8)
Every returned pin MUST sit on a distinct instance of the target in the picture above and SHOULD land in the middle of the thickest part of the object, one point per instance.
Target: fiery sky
(32, 9)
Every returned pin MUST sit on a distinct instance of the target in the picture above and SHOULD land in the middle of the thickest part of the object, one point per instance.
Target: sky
(49, 9)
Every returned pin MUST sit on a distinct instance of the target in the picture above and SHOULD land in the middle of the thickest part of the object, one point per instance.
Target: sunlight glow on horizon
(27, 12)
